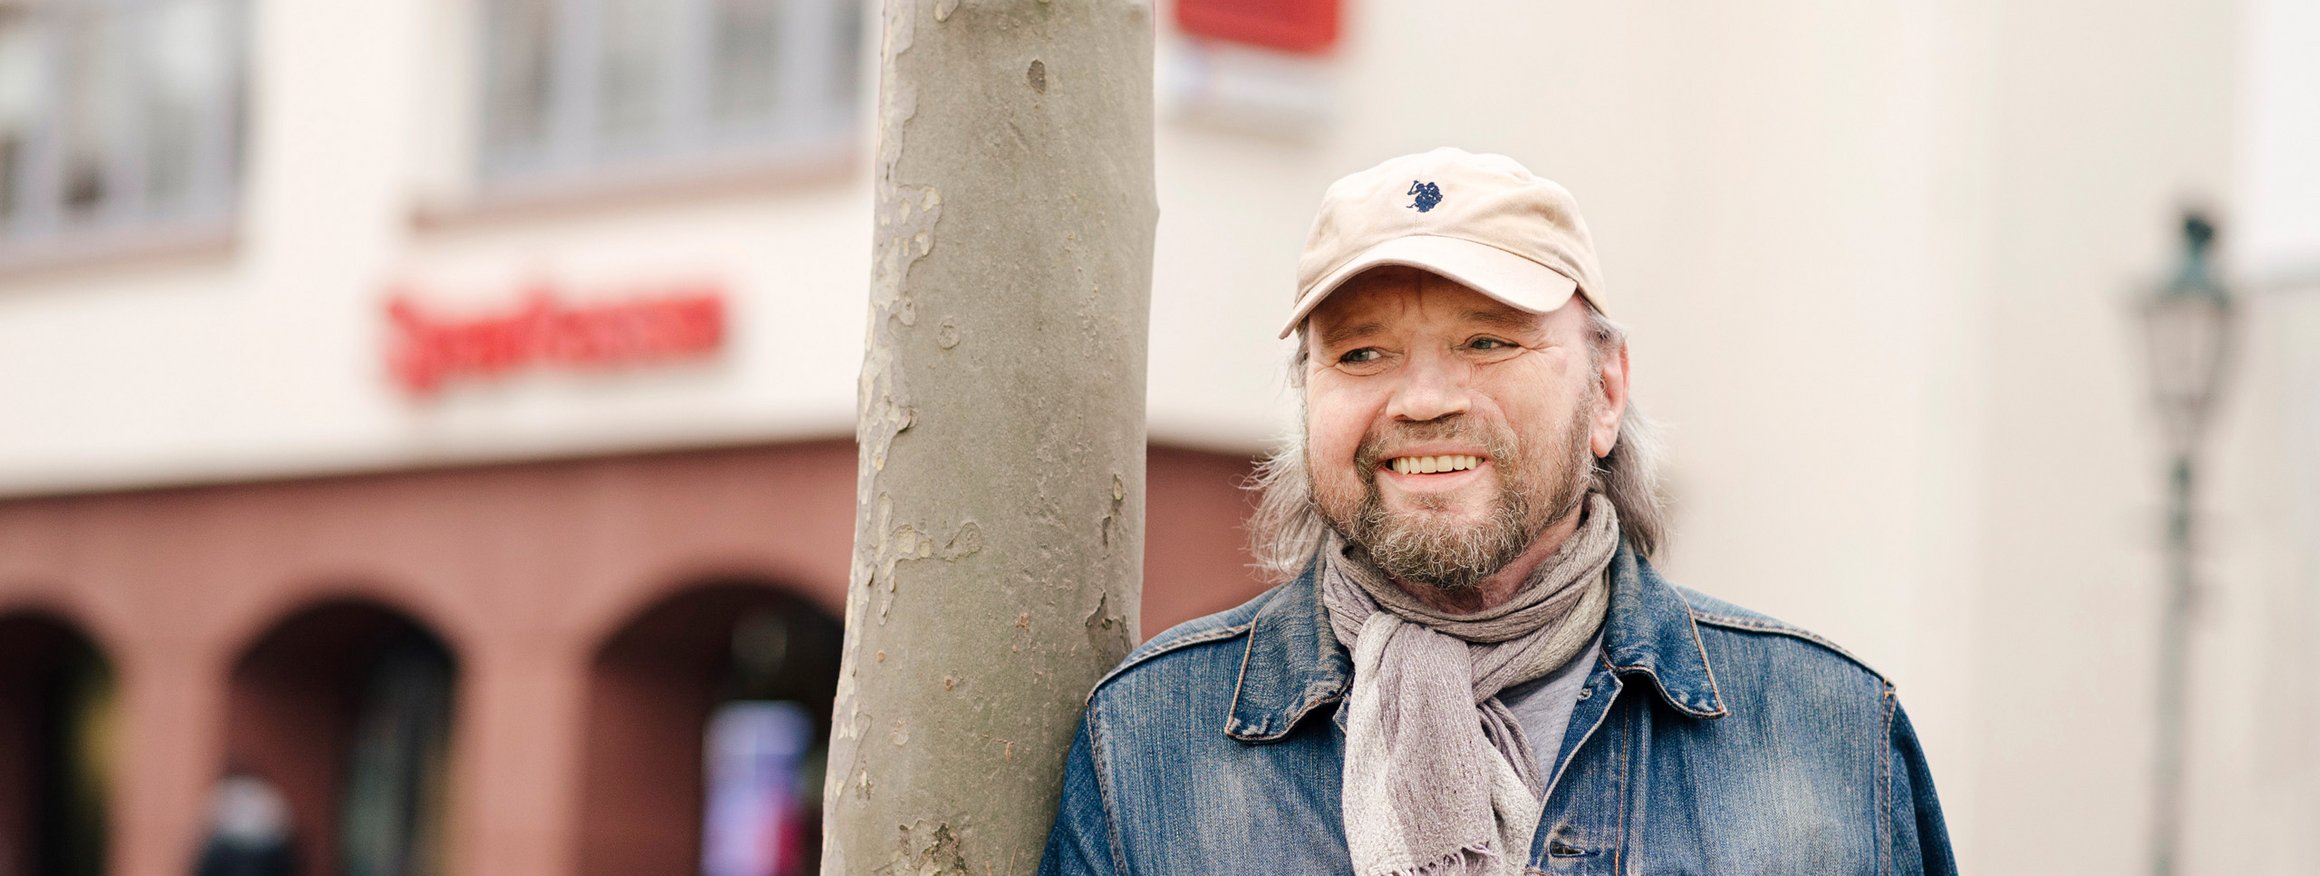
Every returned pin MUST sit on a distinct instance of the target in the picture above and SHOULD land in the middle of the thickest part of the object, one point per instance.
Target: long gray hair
(1287, 526)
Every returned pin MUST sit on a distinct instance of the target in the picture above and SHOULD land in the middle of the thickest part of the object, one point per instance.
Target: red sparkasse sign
(544, 330)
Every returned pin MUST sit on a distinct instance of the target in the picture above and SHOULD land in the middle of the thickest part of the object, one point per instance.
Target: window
(56, 714)
(343, 714)
(571, 86)
(708, 732)
(118, 114)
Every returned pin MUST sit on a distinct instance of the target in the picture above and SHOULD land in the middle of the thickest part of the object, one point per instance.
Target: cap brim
(1511, 279)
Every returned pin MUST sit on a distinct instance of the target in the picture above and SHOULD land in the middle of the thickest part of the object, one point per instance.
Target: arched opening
(56, 719)
(342, 713)
(708, 725)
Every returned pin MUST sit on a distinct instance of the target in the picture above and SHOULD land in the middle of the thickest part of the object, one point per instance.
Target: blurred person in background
(249, 830)
(1471, 665)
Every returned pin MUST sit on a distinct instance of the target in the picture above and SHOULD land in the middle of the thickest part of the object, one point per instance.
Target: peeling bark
(1000, 502)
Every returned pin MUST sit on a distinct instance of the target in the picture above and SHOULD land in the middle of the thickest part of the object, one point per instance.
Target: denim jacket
(1707, 739)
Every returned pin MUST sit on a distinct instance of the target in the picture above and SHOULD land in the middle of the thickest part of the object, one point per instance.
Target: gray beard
(1440, 554)
(1447, 556)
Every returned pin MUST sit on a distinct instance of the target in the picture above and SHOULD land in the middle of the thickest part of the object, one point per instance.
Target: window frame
(44, 228)
(816, 104)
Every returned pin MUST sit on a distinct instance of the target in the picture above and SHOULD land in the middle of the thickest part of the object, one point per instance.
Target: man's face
(1446, 431)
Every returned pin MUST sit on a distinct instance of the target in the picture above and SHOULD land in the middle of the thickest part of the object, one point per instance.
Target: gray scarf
(1438, 777)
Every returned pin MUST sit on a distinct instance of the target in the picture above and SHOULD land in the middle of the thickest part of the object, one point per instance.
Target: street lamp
(2188, 324)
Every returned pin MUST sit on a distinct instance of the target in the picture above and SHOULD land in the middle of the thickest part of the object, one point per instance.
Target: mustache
(1382, 442)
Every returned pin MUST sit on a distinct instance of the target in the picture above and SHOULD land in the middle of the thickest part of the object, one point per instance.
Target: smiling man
(1470, 665)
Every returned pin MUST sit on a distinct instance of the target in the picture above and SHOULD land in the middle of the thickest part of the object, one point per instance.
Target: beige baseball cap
(1482, 220)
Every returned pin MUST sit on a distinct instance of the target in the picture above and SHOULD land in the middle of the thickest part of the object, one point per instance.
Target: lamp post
(2188, 326)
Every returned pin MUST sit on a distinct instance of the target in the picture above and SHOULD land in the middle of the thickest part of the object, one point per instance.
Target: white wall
(270, 359)
(2256, 775)
(1874, 258)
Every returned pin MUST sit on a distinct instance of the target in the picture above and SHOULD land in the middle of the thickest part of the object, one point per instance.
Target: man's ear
(1611, 405)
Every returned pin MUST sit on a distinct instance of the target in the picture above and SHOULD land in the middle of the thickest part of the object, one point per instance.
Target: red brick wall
(525, 572)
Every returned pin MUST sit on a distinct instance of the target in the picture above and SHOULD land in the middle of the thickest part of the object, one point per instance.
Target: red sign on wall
(544, 331)
(1295, 25)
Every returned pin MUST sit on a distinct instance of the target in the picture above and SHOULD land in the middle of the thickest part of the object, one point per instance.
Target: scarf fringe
(1474, 859)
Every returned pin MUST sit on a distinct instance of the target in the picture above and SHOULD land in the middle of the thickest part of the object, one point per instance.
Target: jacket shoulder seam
(1884, 814)
(1776, 628)
(1099, 752)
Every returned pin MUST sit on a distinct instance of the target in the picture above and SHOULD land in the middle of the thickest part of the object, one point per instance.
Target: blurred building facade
(445, 406)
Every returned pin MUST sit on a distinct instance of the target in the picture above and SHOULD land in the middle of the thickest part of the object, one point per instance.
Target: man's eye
(1489, 344)
(1358, 357)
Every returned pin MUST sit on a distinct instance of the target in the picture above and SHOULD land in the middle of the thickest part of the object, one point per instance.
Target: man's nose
(1432, 387)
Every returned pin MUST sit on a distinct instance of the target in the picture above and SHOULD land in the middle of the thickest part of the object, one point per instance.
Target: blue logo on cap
(1428, 195)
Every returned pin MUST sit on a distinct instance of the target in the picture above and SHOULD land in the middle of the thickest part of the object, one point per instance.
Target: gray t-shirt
(1543, 705)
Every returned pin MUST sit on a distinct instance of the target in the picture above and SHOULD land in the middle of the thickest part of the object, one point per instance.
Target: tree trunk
(1000, 511)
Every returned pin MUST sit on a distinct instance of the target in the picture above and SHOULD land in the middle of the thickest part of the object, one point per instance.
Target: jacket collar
(1293, 663)
(1649, 631)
